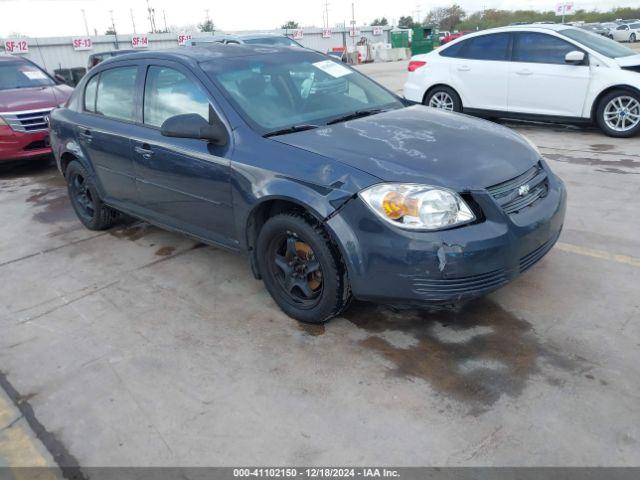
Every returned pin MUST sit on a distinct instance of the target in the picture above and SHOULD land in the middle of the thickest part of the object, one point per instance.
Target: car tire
(443, 96)
(632, 38)
(302, 269)
(606, 108)
(85, 200)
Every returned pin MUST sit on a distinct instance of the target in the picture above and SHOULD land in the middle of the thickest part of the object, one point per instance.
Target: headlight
(2, 121)
(417, 207)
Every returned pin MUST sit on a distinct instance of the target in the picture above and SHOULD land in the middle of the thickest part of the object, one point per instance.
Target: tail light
(416, 64)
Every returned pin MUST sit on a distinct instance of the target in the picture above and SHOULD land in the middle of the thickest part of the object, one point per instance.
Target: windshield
(284, 41)
(22, 75)
(273, 92)
(598, 43)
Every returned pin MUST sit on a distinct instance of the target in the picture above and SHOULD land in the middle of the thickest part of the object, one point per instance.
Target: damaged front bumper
(391, 265)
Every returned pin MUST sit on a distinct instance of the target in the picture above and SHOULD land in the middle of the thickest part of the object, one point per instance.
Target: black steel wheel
(301, 268)
(85, 199)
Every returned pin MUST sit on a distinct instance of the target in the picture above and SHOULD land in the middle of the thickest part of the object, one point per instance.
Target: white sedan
(626, 33)
(538, 72)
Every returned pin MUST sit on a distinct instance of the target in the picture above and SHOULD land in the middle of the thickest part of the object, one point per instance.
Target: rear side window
(455, 50)
(635, 26)
(116, 93)
(488, 47)
(90, 92)
(541, 48)
(622, 27)
(168, 92)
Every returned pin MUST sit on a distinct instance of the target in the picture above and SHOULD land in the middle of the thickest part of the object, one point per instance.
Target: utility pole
(326, 13)
(113, 27)
(164, 16)
(86, 25)
(152, 20)
(353, 23)
(133, 21)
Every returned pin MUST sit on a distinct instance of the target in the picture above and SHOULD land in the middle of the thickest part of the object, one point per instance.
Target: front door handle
(145, 151)
(85, 134)
(526, 71)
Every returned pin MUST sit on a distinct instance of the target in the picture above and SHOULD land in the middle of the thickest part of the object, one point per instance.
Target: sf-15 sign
(184, 38)
(17, 45)
(82, 43)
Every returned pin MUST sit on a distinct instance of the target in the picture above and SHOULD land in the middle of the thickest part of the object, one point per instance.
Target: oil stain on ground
(165, 251)
(474, 354)
(132, 232)
(52, 201)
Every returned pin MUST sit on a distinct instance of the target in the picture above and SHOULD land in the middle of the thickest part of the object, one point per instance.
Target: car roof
(11, 58)
(204, 53)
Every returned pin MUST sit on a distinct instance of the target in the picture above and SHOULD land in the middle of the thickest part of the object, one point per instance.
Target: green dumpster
(399, 39)
(424, 39)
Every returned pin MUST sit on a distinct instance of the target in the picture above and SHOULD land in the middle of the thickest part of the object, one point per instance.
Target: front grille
(522, 191)
(435, 288)
(29, 121)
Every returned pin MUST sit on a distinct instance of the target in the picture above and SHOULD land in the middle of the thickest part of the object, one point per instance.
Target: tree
(111, 31)
(436, 16)
(207, 26)
(380, 22)
(290, 25)
(407, 22)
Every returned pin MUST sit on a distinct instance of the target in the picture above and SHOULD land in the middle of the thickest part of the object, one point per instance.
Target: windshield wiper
(291, 129)
(356, 114)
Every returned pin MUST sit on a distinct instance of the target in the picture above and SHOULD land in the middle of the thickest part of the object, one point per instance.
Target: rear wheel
(443, 98)
(85, 199)
(301, 269)
(618, 113)
(632, 38)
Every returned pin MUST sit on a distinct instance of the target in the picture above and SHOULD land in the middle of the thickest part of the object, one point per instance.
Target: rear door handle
(85, 134)
(526, 71)
(464, 68)
(145, 151)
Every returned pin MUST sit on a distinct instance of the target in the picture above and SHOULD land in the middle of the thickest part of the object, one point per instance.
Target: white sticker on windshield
(34, 74)
(332, 68)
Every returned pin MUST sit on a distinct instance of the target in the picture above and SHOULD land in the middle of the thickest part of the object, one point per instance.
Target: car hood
(19, 99)
(630, 61)
(422, 145)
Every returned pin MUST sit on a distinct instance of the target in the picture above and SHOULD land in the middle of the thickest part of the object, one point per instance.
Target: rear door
(540, 82)
(103, 129)
(480, 68)
(183, 183)
(621, 33)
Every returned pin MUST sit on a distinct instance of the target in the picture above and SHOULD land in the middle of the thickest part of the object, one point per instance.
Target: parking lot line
(589, 252)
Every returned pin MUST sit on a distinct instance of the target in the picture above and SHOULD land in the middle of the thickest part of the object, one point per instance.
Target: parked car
(96, 58)
(27, 96)
(627, 32)
(331, 194)
(598, 29)
(550, 73)
(252, 39)
(451, 37)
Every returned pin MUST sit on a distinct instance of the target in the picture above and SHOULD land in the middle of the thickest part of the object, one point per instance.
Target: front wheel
(618, 114)
(443, 98)
(301, 268)
(85, 199)
(632, 38)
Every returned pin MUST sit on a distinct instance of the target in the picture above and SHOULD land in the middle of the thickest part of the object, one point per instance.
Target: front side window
(278, 91)
(22, 75)
(116, 93)
(168, 92)
(488, 47)
(622, 27)
(600, 44)
(541, 48)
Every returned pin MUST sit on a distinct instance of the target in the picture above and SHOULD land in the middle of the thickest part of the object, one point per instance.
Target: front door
(540, 82)
(182, 183)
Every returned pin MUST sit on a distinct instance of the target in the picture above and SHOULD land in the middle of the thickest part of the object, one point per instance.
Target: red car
(451, 37)
(27, 96)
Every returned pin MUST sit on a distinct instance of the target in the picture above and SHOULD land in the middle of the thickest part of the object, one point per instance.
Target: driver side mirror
(575, 58)
(192, 125)
(60, 79)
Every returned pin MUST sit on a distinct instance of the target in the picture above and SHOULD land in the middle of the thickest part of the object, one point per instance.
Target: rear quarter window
(90, 92)
(116, 93)
(455, 50)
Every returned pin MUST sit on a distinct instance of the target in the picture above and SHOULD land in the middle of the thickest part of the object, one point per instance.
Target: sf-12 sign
(82, 43)
(326, 33)
(16, 46)
(184, 38)
(139, 41)
(298, 34)
(377, 30)
(564, 8)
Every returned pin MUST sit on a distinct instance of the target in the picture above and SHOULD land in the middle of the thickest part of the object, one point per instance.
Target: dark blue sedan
(332, 185)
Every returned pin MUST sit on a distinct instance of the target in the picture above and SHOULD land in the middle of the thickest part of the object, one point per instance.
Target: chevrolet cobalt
(333, 186)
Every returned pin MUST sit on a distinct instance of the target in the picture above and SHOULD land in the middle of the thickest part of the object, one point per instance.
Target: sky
(47, 18)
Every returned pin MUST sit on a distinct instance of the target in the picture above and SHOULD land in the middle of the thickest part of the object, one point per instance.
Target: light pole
(86, 25)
